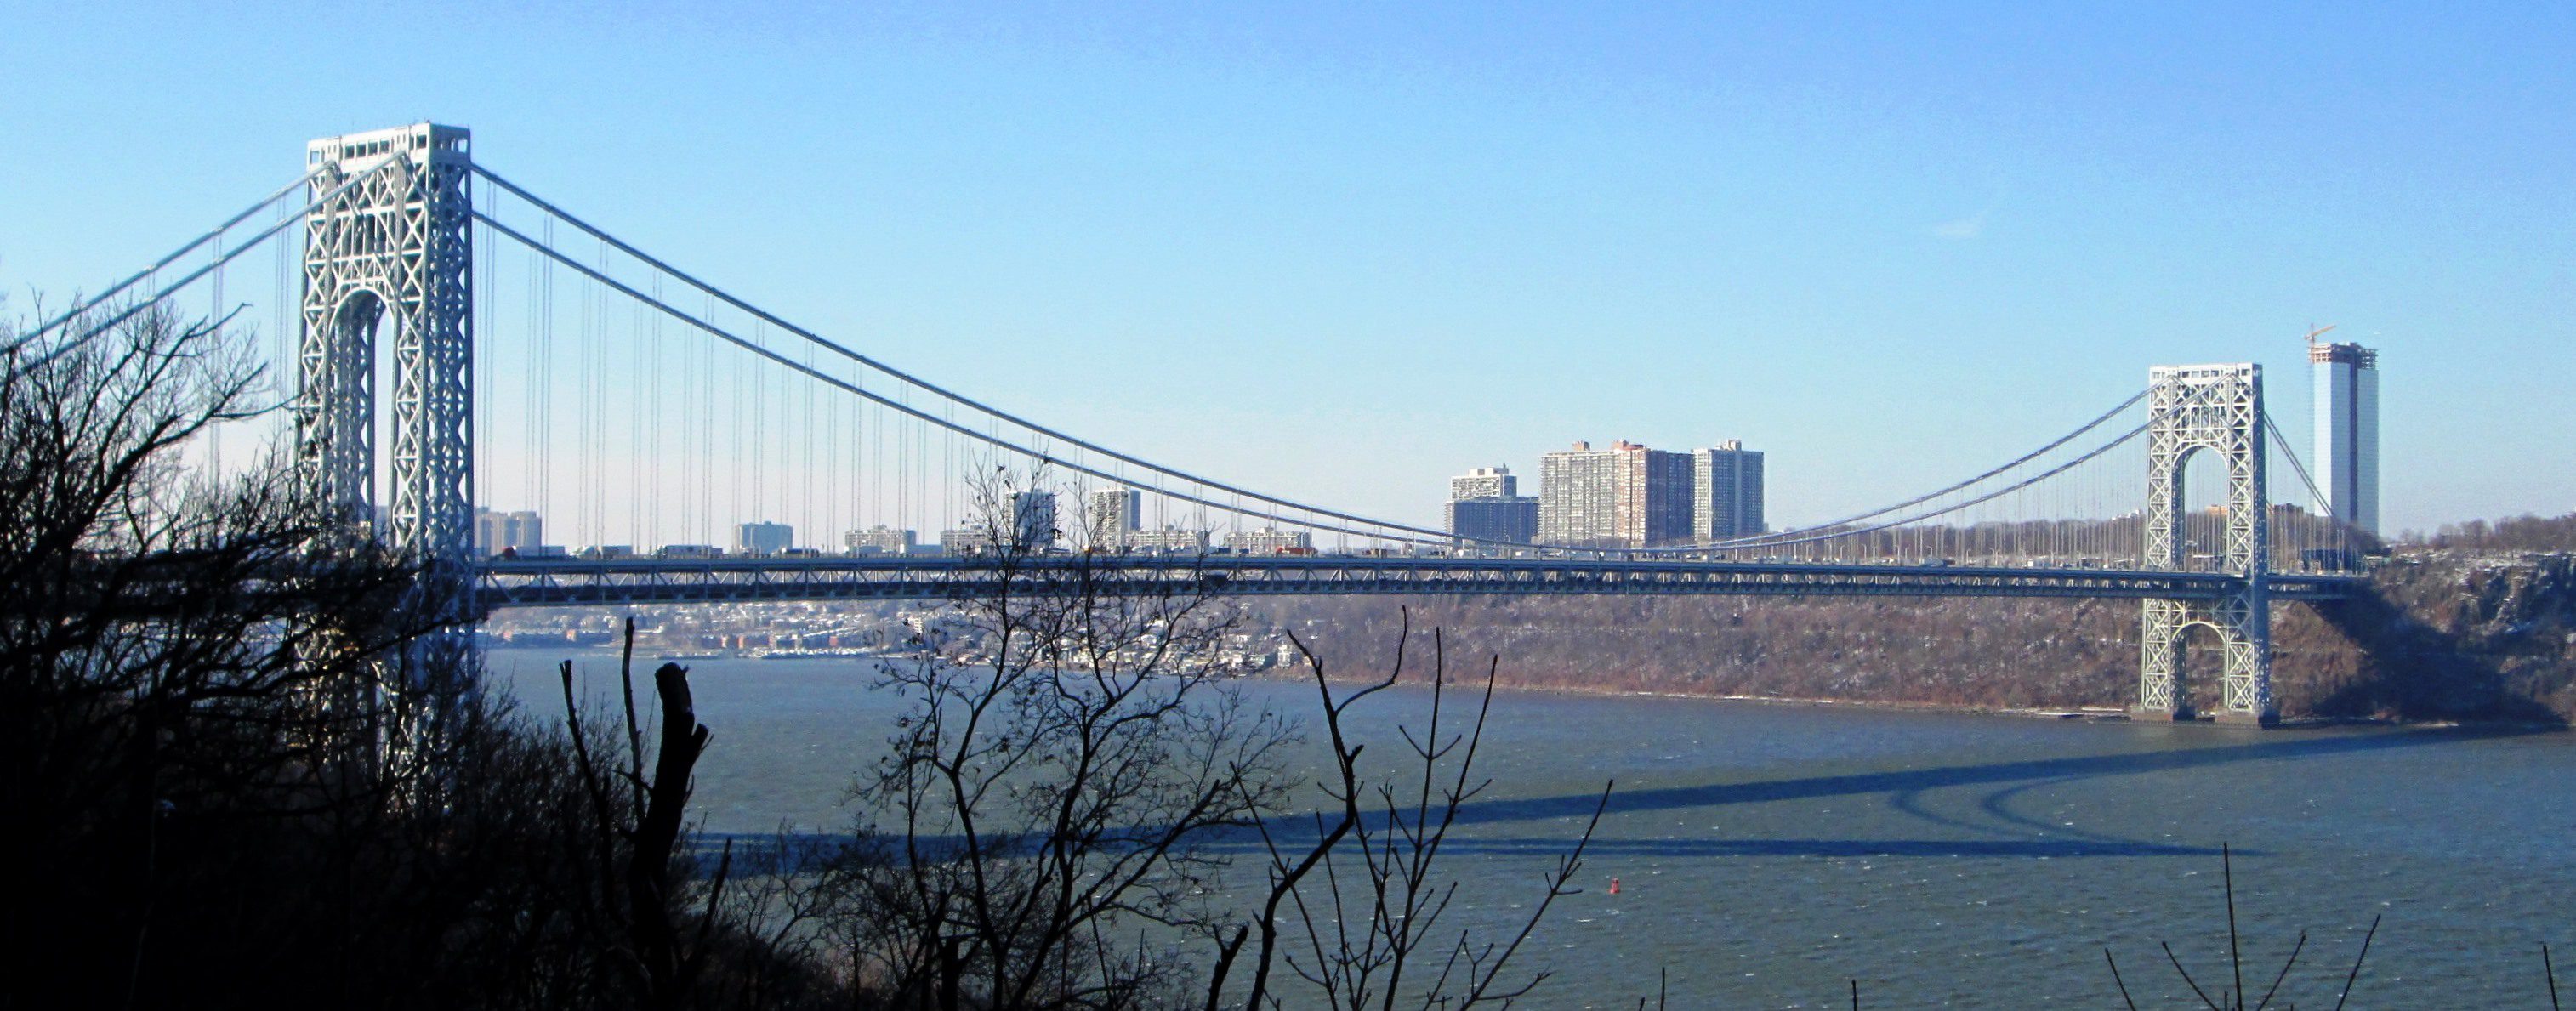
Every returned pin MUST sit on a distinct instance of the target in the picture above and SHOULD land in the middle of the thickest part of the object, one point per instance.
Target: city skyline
(1799, 207)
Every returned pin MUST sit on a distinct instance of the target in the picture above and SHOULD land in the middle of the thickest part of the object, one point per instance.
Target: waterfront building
(761, 537)
(1485, 482)
(495, 532)
(1270, 541)
(1726, 492)
(2347, 431)
(1627, 496)
(878, 540)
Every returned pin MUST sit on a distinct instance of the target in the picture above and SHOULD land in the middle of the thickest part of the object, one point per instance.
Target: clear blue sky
(1346, 252)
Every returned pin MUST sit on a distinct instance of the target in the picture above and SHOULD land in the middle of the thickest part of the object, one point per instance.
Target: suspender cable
(897, 406)
(1420, 533)
(915, 381)
(1921, 536)
(1764, 539)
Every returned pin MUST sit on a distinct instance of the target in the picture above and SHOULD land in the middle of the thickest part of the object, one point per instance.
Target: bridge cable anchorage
(165, 291)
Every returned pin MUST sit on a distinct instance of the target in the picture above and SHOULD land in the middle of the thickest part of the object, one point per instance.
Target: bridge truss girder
(577, 582)
(2216, 409)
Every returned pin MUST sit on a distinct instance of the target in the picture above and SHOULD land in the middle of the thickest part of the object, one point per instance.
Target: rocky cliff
(2443, 635)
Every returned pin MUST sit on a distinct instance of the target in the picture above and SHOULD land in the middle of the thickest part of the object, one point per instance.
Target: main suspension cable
(165, 291)
(164, 262)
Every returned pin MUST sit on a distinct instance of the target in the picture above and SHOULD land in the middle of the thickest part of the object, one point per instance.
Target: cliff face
(2452, 636)
(2443, 637)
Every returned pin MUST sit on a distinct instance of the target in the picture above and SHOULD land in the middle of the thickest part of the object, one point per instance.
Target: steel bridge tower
(2217, 408)
(398, 250)
(393, 255)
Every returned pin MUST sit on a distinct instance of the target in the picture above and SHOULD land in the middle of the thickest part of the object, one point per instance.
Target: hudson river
(1767, 854)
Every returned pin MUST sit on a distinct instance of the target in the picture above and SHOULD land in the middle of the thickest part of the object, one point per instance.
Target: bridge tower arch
(2216, 409)
(394, 254)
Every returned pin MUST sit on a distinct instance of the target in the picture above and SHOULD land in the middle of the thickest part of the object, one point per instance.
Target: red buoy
(1614, 886)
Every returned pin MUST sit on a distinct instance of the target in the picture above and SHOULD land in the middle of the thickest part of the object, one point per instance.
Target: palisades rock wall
(2443, 636)
(2452, 635)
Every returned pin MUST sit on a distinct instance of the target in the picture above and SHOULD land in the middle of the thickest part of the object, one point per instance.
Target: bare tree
(2233, 994)
(1058, 809)
(178, 651)
(212, 696)
(1364, 927)
(1054, 793)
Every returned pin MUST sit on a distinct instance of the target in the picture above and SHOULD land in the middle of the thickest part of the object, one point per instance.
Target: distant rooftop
(2344, 354)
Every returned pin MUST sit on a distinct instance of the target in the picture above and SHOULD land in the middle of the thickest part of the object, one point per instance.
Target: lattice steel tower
(397, 250)
(2219, 409)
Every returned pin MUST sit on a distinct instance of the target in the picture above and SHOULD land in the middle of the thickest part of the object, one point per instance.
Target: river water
(1768, 854)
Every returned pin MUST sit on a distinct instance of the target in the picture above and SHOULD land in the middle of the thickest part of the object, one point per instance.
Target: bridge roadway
(557, 582)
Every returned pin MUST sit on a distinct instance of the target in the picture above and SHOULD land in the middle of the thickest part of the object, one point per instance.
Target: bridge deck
(552, 582)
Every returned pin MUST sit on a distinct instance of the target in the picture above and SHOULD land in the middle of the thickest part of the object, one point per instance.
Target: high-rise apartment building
(763, 538)
(879, 540)
(1168, 540)
(1485, 504)
(2347, 431)
(1111, 514)
(1627, 496)
(1726, 492)
(1033, 520)
(1511, 519)
(1270, 541)
(1485, 482)
(966, 540)
(518, 532)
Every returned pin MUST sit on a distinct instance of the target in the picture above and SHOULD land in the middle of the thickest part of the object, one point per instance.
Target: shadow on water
(1685, 847)
(2288, 744)
(1997, 806)
(773, 851)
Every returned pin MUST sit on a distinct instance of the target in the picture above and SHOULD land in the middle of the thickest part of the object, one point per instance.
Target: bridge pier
(2245, 673)
(2218, 408)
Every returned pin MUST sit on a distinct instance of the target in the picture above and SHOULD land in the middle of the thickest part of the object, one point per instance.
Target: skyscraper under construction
(2347, 431)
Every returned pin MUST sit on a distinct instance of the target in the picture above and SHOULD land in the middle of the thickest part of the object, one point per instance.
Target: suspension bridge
(537, 362)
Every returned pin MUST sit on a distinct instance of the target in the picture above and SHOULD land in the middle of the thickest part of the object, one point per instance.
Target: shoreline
(2079, 713)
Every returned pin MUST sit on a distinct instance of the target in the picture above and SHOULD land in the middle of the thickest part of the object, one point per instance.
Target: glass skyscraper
(2347, 431)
